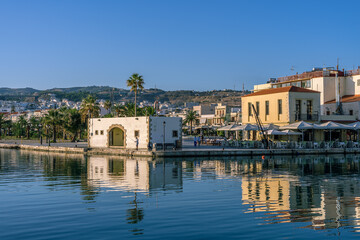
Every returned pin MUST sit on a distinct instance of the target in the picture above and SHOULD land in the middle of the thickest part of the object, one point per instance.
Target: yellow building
(281, 106)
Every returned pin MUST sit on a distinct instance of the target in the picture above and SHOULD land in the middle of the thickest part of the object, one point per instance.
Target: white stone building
(333, 85)
(122, 132)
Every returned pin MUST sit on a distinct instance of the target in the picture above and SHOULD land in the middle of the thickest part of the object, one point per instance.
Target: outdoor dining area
(298, 135)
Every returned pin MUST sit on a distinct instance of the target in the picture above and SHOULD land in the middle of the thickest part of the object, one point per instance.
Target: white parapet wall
(122, 132)
(172, 129)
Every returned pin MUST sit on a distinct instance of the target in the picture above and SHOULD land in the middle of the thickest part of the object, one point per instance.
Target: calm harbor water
(58, 196)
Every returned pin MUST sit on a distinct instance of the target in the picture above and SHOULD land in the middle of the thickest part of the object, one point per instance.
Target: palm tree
(89, 108)
(22, 124)
(148, 111)
(126, 110)
(190, 118)
(108, 105)
(72, 123)
(136, 82)
(53, 119)
(2, 122)
(34, 125)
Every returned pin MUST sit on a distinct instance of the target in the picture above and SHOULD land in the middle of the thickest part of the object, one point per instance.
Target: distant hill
(17, 91)
(179, 97)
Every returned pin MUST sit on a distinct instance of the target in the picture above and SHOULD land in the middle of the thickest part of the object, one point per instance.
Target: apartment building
(335, 86)
(281, 106)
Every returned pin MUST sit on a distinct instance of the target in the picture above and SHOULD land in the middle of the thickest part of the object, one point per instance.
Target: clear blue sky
(200, 45)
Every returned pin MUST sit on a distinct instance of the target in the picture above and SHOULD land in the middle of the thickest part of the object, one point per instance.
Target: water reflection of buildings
(310, 190)
(322, 191)
(136, 176)
(130, 174)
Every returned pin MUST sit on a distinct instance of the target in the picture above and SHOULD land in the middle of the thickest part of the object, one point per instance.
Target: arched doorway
(116, 137)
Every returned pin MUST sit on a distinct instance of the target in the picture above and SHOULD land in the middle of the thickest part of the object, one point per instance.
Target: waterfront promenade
(188, 150)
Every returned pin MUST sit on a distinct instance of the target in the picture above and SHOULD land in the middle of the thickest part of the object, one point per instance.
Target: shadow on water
(321, 192)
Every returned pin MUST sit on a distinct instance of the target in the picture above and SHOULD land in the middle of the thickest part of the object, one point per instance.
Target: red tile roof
(346, 98)
(280, 90)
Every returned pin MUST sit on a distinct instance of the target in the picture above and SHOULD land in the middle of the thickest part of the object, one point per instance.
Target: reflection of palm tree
(136, 214)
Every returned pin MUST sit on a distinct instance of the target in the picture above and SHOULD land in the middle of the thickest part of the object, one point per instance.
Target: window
(279, 106)
(308, 83)
(175, 133)
(358, 82)
(309, 109)
(96, 132)
(351, 112)
(266, 107)
(258, 108)
(328, 112)
(101, 132)
(136, 133)
(249, 109)
(297, 110)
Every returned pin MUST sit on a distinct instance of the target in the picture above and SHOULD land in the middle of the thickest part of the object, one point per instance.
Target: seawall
(182, 153)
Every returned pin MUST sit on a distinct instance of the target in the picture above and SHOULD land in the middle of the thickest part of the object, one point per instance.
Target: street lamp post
(164, 123)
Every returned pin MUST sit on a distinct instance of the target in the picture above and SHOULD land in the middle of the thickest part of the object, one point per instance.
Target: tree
(89, 108)
(2, 122)
(190, 118)
(126, 110)
(19, 126)
(108, 105)
(136, 83)
(148, 111)
(53, 119)
(34, 123)
(72, 123)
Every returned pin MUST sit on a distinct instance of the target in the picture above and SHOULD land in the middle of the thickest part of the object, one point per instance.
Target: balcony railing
(306, 117)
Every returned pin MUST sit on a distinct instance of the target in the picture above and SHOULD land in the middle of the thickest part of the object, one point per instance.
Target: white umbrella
(332, 126)
(355, 125)
(246, 127)
(270, 126)
(290, 132)
(274, 132)
(228, 128)
(298, 126)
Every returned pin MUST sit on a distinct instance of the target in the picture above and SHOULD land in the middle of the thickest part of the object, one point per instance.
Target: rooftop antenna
(337, 64)
(243, 88)
(292, 68)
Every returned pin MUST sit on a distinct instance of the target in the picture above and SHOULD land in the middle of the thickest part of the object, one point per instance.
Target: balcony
(306, 117)
(338, 118)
